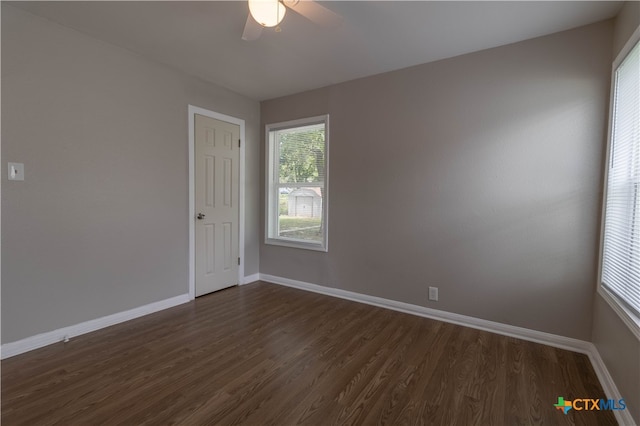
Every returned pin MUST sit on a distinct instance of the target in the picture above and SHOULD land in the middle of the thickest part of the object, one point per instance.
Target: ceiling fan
(269, 13)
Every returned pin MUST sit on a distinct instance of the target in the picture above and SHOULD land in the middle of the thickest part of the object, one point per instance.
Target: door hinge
(238, 143)
(238, 261)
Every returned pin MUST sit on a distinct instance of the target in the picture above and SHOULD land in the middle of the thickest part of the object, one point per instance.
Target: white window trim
(626, 315)
(269, 186)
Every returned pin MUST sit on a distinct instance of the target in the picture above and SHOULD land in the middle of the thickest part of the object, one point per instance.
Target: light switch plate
(16, 171)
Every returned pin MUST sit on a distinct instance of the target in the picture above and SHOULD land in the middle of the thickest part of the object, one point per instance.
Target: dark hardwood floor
(262, 354)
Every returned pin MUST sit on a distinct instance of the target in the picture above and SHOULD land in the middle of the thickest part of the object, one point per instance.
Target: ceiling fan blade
(315, 12)
(252, 30)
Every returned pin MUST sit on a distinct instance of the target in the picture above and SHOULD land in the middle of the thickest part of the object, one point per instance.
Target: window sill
(296, 244)
(628, 317)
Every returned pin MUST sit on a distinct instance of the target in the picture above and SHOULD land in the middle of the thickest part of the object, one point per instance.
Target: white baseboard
(39, 340)
(554, 340)
(250, 279)
(494, 327)
(609, 386)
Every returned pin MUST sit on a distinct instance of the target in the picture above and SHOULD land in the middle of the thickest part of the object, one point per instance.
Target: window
(620, 269)
(297, 183)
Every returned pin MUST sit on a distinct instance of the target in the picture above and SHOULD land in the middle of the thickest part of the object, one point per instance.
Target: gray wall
(100, 225)
(479, 174)
(626, 23)
(618, 347)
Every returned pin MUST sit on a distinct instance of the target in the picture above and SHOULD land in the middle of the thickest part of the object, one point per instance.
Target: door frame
(192, 111)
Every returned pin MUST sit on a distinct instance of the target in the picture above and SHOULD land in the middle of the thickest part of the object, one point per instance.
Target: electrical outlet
(433, 294)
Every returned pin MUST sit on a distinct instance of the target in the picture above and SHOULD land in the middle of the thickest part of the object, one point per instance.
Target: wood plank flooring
(263, 354)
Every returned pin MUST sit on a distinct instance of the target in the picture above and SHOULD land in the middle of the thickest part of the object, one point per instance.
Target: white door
(217, 159)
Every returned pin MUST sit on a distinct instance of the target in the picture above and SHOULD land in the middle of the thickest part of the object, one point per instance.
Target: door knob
(200, 216)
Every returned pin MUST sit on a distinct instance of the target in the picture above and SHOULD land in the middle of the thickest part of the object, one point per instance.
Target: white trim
(44, 339)
(294, 243)
(307, 121)
(608, 385)
(251, 278)
(192, 111)
(467, 321)
(272, 208)
(629, 318)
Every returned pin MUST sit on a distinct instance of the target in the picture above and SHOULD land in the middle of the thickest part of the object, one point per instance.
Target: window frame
(629, 317)
(272, 186)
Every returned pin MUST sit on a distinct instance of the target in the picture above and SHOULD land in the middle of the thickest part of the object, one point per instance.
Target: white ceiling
(203, 38)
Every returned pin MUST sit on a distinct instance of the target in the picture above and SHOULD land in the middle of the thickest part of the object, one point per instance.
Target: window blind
(621, 244)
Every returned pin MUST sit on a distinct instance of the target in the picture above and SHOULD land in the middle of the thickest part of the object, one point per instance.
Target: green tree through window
(301, 156)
